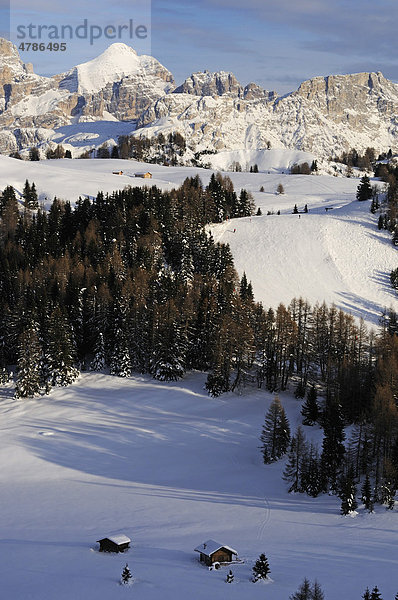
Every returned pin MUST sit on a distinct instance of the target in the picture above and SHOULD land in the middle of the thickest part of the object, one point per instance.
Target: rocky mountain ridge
(213, 111)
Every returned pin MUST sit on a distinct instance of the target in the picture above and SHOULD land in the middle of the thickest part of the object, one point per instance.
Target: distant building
(211, 552)
(144, 175)
(114, 543)
(117, 172)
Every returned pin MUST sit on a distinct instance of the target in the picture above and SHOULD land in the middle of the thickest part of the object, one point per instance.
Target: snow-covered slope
(336, 255)
(170, 468)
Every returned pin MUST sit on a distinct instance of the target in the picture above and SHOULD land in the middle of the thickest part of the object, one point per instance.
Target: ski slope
(169, 467)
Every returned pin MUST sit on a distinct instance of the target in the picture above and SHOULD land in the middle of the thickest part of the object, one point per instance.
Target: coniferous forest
(134, 282)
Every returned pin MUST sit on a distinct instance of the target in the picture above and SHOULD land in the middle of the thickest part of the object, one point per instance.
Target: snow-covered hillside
(336, 255)
(170, 468)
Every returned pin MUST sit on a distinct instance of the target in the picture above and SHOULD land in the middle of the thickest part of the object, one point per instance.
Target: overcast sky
(276, 44)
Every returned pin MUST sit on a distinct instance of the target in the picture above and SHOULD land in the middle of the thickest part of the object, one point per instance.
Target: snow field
(169, 467)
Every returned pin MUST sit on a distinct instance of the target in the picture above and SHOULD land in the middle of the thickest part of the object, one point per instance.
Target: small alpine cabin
(114, 543)
(211, 552)
(117, 172)
(146, 175)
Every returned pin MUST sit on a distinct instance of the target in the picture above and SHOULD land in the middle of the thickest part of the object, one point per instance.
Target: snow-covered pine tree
(4, 375)
(28, 365)
(304, 592)
(98, 362)
(375, 594)
(170, 345)
(366, 494)
(348, 492)
(366, 594)
(126, 575)
(230, 577)
(292, 471)
(261, 568)
(60, 350)
(364, 189)
(310, 410)
(119, 350)
(275, 436)
(387, 493)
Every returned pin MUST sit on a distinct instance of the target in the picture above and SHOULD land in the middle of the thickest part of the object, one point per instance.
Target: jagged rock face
(213, 111)
(324, 116)
(118, 83)
(221, 84)
(210, 84)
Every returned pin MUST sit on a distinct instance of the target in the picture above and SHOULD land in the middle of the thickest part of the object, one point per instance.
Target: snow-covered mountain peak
(115, 63)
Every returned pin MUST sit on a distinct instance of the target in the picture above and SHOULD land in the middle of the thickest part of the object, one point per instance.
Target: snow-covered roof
(211, 546)
(118, 539)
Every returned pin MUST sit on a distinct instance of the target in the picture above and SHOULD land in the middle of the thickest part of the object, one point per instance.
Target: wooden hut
(114, 543)
(211, 552)
(146, 175)
(117, 172)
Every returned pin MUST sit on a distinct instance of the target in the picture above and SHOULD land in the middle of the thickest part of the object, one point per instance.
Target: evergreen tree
(126, 575)
(275, 436)
(311, 480)
(387, 493)
(34, 154)
(348, 493)
(366, 594)
(375, 595)
(310, 410)
(300, 391)
(280, 189)
(230, 577)
(261, 568)
(60, 351)
(295, 210)
(98, 362)
(316, 592)
(333, 449)
(364, 189)
(304, 591)
(366, 494)
(292, 472)
(28, 366)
